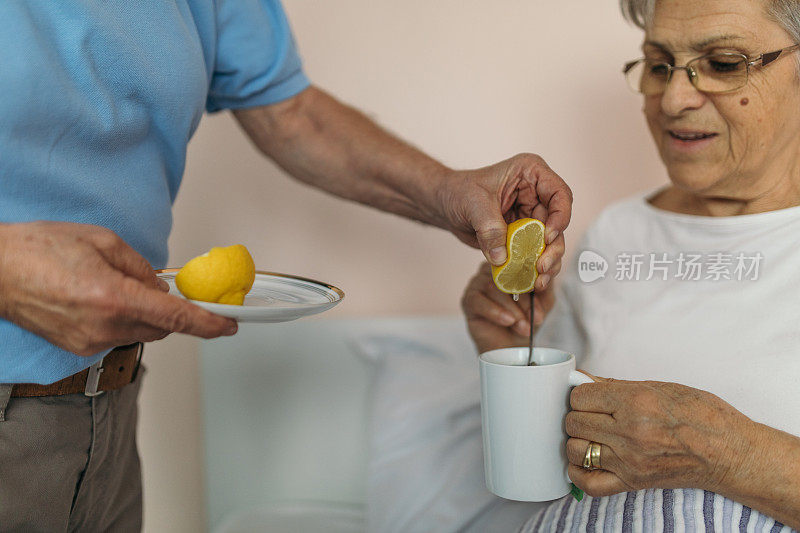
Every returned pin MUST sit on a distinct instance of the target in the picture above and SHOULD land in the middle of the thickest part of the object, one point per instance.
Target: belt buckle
(139, 352)
(93, 379)
(93, 376)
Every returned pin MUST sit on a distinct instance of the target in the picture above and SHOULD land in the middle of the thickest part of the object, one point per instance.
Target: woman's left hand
(654, 435)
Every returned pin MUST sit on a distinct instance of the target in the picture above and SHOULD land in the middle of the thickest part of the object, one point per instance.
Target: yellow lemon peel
(222, 275)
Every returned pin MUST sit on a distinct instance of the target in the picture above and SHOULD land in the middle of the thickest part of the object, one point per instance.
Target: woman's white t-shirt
(709, 302)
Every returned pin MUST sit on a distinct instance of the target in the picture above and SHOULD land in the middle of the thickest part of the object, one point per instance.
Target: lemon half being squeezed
(524, 244)
(223, 275)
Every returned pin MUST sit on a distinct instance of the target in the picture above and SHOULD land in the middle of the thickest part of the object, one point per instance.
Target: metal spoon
(531, 362)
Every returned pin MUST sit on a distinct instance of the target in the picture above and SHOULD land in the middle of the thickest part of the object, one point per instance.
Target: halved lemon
(223, 275)
(524, 244)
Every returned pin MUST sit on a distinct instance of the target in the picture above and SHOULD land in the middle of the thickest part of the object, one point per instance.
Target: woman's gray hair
(638, 12)
(785, 12)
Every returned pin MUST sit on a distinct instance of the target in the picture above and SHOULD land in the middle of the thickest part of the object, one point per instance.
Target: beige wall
(471, 83)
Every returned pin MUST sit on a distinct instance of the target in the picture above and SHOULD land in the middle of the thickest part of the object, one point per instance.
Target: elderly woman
(701, 293)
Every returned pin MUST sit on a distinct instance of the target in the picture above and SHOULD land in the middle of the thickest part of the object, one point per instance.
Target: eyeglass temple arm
(629, 65)
(769, 57)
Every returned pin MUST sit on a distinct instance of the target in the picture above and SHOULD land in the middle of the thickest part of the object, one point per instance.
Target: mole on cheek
(744, 101)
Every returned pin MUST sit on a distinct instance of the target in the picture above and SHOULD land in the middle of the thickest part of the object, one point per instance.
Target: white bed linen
(425, 470)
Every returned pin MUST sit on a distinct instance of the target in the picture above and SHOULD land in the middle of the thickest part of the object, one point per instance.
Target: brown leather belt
(114, 371)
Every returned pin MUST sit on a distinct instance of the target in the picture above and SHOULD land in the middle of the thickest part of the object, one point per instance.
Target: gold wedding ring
(595, 459)
(591, 461)
(587, 459)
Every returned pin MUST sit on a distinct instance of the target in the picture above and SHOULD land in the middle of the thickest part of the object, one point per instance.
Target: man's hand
(334, 147)
(84, 289)
(478, 204)
(494, 319)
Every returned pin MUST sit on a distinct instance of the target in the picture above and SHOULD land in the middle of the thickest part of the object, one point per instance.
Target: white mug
(522, 413)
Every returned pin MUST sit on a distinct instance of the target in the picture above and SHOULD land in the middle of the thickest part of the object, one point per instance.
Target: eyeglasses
(712, 73)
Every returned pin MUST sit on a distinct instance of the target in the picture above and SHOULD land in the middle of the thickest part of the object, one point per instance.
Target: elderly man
(99, 102)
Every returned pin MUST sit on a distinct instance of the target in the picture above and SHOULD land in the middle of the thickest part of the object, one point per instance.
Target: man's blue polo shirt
(98, 100)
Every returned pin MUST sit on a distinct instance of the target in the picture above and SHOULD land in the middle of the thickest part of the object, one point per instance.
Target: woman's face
(738, 145)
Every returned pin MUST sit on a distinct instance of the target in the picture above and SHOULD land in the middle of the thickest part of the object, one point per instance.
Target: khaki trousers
(70, 463)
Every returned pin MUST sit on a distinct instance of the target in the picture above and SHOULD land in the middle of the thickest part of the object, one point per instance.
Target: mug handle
(578, 378)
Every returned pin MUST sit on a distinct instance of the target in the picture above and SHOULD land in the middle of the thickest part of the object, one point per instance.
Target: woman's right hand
(494, 319)
(82, 288)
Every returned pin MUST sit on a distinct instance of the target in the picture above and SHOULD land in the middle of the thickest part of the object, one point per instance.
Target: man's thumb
(491, 234)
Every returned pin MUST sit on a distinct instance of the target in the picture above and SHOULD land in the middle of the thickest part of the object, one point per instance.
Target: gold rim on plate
(337, 290)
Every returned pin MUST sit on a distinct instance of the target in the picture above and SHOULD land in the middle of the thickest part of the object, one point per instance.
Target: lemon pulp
(524, 244)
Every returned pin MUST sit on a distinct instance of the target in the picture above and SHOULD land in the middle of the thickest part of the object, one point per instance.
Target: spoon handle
(530, 350)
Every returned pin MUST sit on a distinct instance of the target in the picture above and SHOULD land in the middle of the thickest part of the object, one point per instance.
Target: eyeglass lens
(712, 74)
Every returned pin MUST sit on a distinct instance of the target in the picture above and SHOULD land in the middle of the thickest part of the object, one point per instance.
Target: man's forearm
(336, 148)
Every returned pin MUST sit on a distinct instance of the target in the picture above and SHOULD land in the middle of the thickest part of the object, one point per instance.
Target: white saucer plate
(273, 298)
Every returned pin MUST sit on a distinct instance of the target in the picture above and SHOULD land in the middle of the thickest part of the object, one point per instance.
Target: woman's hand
(656, 435)
(494, 319)
(84, 289)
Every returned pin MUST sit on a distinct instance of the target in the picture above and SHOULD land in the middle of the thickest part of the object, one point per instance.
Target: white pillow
(291, 517)
(425, 469)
